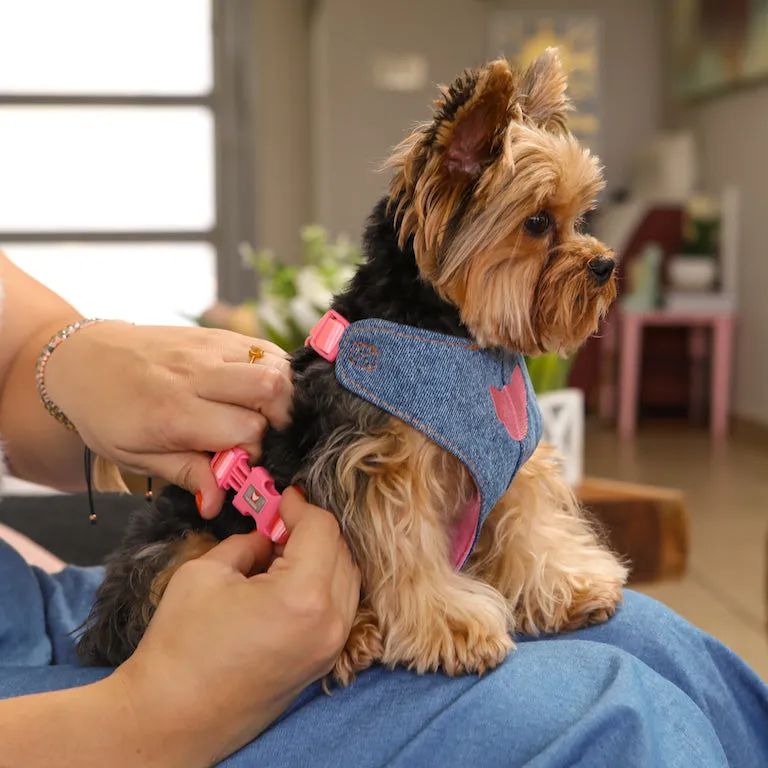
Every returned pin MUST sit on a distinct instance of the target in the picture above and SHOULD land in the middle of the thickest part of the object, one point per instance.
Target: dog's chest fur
(387, 286)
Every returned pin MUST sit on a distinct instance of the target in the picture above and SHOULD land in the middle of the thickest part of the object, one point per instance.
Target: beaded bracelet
(42, 361)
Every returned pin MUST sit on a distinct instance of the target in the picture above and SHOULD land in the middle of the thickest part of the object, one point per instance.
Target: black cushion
(61, 524)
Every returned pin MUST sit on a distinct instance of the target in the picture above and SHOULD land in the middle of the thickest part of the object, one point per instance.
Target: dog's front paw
(582, 603)
(595, 603)
(363, 648)
(467, 634)
(470, 647)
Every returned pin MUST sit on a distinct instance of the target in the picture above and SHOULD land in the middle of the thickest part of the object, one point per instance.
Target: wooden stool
(631, 326)
(645, 524)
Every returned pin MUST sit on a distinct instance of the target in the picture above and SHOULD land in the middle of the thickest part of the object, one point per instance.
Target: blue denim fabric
(645, 690)
(443, 386)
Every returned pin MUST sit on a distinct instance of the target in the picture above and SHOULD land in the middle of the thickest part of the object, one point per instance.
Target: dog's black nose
(601, 269)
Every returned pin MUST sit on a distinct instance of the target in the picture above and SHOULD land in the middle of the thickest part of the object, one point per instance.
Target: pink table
(630, 333)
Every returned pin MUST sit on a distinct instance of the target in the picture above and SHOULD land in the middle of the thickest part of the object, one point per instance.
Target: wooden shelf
(645, 524)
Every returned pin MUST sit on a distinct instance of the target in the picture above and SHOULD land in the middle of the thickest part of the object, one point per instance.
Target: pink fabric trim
(464, 532)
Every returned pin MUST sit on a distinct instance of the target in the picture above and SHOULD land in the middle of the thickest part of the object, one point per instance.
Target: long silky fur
(446, 250)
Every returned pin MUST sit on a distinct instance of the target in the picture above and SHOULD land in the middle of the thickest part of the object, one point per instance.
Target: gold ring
(255, 353)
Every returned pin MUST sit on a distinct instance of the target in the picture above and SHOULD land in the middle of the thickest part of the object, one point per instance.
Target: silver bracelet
(42, 361)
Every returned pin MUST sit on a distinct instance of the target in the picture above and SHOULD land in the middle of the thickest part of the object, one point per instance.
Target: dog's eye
(538, 224)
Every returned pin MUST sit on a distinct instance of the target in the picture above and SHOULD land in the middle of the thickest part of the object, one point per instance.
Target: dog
(422, 436)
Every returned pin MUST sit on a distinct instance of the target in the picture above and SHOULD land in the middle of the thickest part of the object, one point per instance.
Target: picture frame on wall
(522, 37)
(718, 46)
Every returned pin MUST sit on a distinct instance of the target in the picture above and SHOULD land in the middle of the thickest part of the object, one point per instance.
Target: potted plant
(694, 268)
(562, 410)
(290, 298)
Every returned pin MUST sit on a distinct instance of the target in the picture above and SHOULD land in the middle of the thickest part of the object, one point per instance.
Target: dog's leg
(129, 595)
(159, 538)
(363, 647)
(542, 553)
(396, 493)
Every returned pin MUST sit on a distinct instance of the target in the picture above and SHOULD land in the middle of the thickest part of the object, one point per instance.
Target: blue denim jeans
(646, 689)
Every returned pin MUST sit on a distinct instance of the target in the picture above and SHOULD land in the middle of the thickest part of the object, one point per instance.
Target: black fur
(387, 286)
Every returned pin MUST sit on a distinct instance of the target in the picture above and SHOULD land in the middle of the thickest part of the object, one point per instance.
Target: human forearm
(149, 400)
(37, 447)
(95, 725)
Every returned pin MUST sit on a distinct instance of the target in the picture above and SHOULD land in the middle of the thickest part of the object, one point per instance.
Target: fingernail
(199, 501)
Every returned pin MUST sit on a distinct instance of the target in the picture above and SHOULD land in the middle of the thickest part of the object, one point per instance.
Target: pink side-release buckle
(324, 338)
(256, 495)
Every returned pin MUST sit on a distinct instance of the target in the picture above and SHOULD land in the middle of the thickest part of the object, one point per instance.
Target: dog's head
(493, 191)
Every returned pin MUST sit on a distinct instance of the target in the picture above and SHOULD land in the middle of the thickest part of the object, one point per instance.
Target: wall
(354, 126)
(731, 131)
(283, 129)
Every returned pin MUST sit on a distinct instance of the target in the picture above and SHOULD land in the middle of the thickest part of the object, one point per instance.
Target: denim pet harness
(477, 404)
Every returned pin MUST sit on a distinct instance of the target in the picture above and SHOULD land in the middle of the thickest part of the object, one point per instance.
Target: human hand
(155, 400)
(227, 652)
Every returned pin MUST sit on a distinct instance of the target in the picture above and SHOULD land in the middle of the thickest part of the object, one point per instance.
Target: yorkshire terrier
(421, 437)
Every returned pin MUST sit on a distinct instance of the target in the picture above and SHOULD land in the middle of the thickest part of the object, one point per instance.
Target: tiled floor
(727, 492)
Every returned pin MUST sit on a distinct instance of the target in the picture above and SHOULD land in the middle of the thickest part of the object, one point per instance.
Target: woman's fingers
(256, 387)
(316, 552)
(204, 425)
(191, 471)
(235, 348)
(313, 537)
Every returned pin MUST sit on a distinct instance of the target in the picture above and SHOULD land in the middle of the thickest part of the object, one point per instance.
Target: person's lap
(645, 689)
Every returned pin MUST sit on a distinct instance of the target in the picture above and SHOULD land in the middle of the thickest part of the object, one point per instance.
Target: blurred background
(214, 161)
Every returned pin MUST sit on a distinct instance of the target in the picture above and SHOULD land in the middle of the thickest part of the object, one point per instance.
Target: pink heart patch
(511, 405)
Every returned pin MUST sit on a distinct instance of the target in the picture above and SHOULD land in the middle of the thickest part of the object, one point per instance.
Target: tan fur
(544, 85)
(539, 565)
(528, 162)
(403, 494)
(194, 545)
(497, 152)
(542, 553)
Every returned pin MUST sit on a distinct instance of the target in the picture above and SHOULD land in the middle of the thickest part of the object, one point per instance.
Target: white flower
(311, 288)
(342, 277)
(303, 313)
(246, 255)
(271, 314)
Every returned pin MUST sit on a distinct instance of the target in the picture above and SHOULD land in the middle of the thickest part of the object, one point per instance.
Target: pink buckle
(230, 468)
(256, 495)
(324, 338)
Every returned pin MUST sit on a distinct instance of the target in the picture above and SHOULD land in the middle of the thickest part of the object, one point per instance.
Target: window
(111, 151)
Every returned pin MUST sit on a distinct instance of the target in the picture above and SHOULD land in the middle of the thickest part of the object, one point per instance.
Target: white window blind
(107, 153)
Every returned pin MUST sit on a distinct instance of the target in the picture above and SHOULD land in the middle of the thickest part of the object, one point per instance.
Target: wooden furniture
(593, 366)
(646, 525)
(629, 340)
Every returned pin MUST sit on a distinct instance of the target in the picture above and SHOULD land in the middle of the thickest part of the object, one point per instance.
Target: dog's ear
(471, 117)
(543, 97)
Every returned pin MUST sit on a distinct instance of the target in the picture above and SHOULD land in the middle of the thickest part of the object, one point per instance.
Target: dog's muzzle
(601, 269)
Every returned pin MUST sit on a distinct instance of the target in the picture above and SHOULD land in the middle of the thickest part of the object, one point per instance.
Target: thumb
(193, 472)
(293, 507)
(245, 552)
